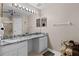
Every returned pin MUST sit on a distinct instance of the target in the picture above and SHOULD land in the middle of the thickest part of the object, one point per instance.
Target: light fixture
(23, 8)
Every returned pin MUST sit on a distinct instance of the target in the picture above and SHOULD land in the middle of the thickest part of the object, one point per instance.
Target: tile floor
(40, 54)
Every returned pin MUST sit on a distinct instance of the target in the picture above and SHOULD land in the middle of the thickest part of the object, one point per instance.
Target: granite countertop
(19, 39)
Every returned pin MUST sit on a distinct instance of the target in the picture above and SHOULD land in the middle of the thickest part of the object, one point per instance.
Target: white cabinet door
(30, 46)
(36, 44)
(22, 49)
(16, 49)
(45, 42)
(9, 50)
(11, 53)
(42, 43)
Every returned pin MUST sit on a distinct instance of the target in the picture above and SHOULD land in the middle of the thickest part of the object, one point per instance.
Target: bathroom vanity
(22, 46)
(15, 49)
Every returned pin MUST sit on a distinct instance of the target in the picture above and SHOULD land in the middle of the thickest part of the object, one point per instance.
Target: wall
(24, 20)
(0, 9)
(6, 22)
(20, 19)
(31, 18)
(8, 32)
(20, 25)
(59, 13)
(25, 24)
(32, 23)
(17, 26)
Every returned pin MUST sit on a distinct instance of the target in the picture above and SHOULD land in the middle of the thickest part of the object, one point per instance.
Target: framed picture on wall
(41, 22)
(44, 22)
(38, 22)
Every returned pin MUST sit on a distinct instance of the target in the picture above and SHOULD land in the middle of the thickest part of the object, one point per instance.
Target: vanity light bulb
(23, 7)
(15, 4)
(29, 10)
(32, 11)
(26, 9)
(20, 6)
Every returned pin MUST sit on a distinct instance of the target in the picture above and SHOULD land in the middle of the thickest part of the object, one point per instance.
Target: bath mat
(48, 53)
